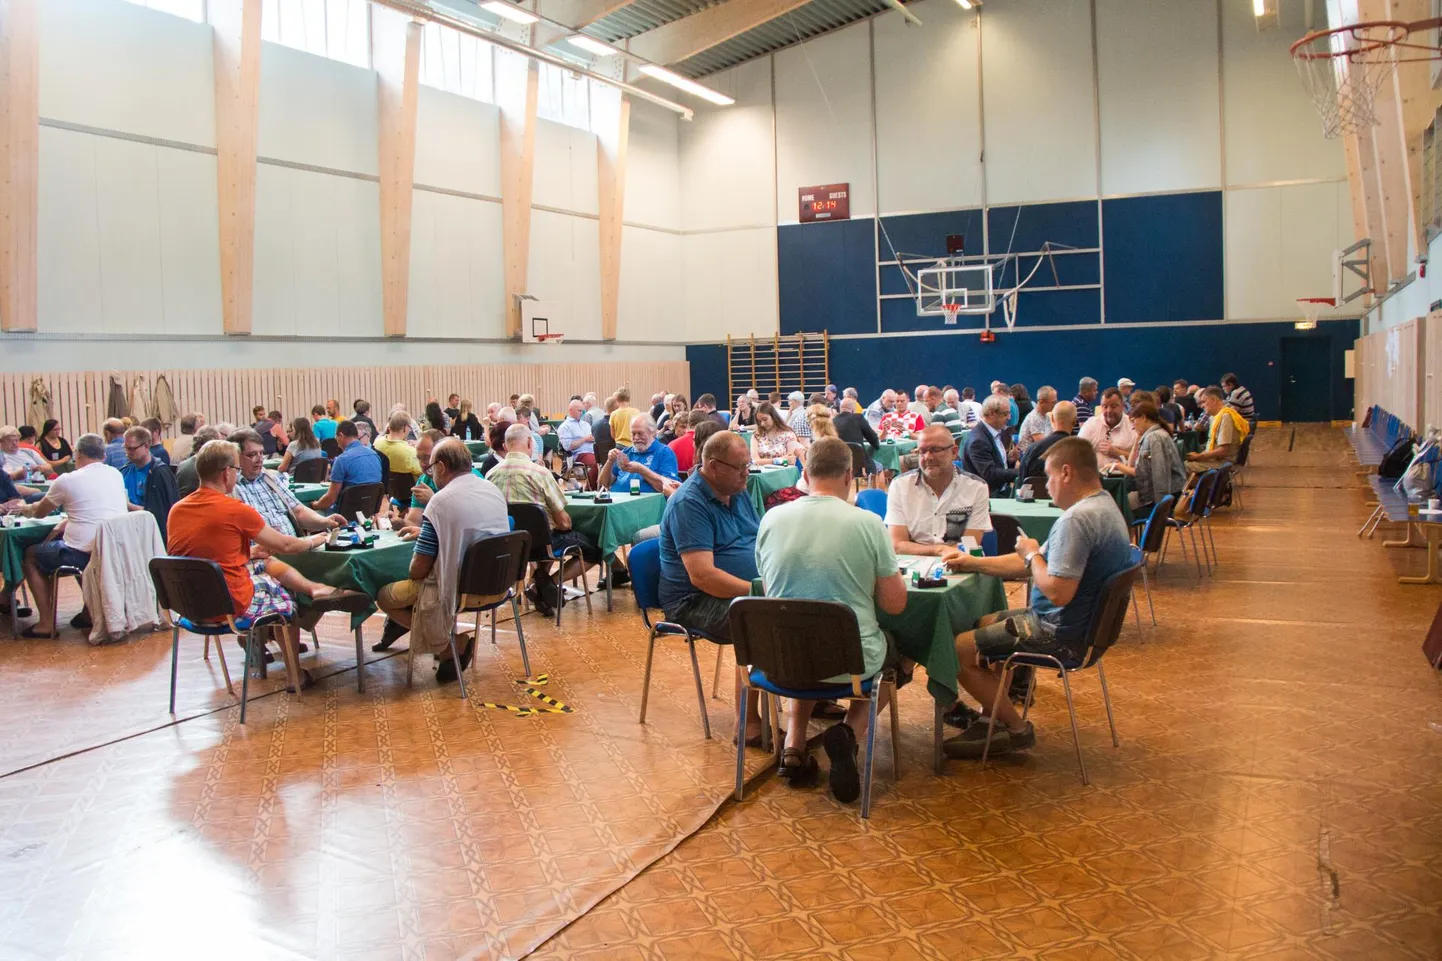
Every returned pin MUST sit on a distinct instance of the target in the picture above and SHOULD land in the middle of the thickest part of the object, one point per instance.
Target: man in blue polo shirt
(653, 464)
(357, 464)
(322, 425)
(708, 545)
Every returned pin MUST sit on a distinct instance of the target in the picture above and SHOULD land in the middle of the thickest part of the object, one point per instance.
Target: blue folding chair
(645, 564)
(874, 501)
(1152, 533)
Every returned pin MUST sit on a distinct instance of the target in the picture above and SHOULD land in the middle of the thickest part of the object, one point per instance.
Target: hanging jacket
(162, 404)
(139, 400)
(116, 404)
(39, 404)
(117, 587)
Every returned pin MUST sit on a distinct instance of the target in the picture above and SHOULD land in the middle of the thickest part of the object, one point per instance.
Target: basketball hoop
(1311, 310)
(550, 338)
(951, 311)
(1343, 67)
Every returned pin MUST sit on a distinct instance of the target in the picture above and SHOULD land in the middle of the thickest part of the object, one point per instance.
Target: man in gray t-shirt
(1087, 545)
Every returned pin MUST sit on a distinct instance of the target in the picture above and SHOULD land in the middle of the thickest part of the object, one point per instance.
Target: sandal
(799, 768)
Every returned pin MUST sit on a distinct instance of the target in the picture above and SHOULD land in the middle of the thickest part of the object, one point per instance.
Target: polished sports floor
(1277, 792)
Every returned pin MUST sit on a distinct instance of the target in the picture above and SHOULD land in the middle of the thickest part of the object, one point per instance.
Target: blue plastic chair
(645, 566)
(1153, 532)
(872, 500)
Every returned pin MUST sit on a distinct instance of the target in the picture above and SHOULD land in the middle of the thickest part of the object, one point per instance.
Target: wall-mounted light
(509, 11)
(690, 86)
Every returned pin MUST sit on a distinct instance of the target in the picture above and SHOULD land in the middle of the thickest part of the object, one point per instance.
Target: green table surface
(1035, 518)
(1191, 441)
(1119, 487)
(551, 442)
(615, 524)
(478, 448)
(308, 493)
(271, 463)
(769, 481)
(926, 629)
(15, 540)
(366, 571)
(890, 454)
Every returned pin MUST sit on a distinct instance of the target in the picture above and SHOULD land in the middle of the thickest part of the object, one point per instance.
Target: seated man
(929, 510)
(216, 526)
(522, 481)
(969, 407)
(357, 464)
(880, 408)
(149, 484)
(987, 454)
(708, 546)
(937, 411)
(622, 416)
(822, 548)
(1109, 430)
(1035, 425)
(19, 461)
(114, 431)
(186, 480)
(393, 447)
(652, 463)
(262, 490)
(184, 445)
(90, 495)
(706, 404)
(1087, 544)
(1225, 433)
(322, 426)
(465, 508)
(12, 498)
(1063, 424)
(578, 442)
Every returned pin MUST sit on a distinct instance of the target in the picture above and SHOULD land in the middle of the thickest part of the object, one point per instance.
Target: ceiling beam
(396, 56)
(579, 13)
(235, 26)
(679, 39)
(19, 162)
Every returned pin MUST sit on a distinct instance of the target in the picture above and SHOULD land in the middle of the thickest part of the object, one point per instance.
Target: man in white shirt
(90, 495)
(1110, 431)
(929, 510)
(18, 461)
(880, 408)
(970, 408)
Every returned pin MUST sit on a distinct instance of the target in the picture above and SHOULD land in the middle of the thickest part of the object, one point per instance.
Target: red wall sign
(827, 202)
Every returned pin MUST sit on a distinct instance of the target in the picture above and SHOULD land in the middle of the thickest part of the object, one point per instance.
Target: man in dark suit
(1033, 463)
(989, 454)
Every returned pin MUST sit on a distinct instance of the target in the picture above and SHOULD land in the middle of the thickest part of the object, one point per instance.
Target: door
(1306, 379)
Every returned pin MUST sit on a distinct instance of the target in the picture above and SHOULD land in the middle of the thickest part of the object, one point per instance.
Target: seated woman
(772, 442)
(468, 425)
(745, 415)
(436, 418)
(496, 440)
(1155, 465)
(54, 448)
(303, 448)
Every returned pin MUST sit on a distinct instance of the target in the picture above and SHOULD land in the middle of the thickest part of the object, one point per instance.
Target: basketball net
(952, 310)
(1342, 68)
(1311, 310)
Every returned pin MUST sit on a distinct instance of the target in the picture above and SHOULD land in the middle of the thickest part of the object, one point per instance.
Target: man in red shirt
(210, 524)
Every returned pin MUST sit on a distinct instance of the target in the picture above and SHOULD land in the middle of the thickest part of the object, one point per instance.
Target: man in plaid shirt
(263, 491)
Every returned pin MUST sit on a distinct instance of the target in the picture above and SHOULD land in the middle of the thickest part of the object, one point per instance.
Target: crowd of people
(212, 497)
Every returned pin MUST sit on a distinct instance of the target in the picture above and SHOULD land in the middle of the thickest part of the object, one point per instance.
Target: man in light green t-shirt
(822, 548)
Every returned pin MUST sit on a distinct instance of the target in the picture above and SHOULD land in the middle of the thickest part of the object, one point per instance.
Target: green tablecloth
(551, 442)
(14, 541)
(365, 571)
(478, 448)
(308, 493)
(769, 481)
(1119, 487)
(615, 524)
(926, 629)
(1035, 518)
(271, 463)
(890, 454)
(1191, 441)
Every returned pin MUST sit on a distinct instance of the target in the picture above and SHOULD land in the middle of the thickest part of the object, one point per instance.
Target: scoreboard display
(826, 202)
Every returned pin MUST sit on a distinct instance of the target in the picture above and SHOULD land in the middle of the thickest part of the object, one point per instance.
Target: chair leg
(700, 688)
(1075, 734)
(315, 639)
(224, 669)
(410, 665)
(1136, 609)
(54, 606)
(521, 634)
(174, 663)
(245, 678)
(716, 681)
(1213, 538)
(1147, 584)
(1001, 688)
(740, 741)
(1107, 700)
(778, 738)
(207, 646)
(870, 751)
(585, 587)
(456, 655)
(493, 626)
(1162, 554)
(360, 662)
(895, 735)
(646, 678)
(936, 754)
(1030, 695)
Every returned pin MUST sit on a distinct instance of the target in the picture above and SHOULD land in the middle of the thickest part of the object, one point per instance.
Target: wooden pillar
(396, 56)
(236, 25)
(19, 162)
(611, 142)
(517, 91)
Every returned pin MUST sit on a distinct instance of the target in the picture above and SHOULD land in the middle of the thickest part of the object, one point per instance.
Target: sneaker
(81, 621)
(971, 744)
(960, 716)
(845, 780)
(540, 602)
(389, 635)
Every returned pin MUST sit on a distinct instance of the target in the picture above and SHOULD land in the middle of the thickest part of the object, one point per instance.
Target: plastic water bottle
(635, 486)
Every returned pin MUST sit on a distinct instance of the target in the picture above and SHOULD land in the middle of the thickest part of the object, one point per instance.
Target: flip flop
(35, 635)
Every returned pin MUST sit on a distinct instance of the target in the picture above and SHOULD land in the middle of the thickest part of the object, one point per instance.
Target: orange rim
(1400, 31)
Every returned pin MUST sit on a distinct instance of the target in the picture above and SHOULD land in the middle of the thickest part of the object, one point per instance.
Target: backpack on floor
(1395, 461)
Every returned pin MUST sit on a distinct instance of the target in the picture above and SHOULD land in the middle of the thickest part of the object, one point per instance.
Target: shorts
(50, 556)
(402, 595)
(997, 641)
(268, 597)
(703, 614)
(893, 662)
(563, 540)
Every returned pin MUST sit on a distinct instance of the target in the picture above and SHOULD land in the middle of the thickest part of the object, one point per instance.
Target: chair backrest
(1220, 476)
(532, 519)
(1155, 528)
(874, 501)
(1201, 493)
(400, 486)
(644, 563)
(1245, 449)
(311, 471)
(1111, 611)
(365, 498)
(860, 462)
(1007, 529)
(796, 643)
(492, 565)
(331, 446)
(192, 587)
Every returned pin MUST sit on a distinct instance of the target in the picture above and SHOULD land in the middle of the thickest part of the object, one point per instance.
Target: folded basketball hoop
(951, 311)
(550, 338)
(1311, 310)
(1343, 67)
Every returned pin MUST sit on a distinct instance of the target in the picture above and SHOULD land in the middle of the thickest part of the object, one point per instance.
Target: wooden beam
(1394, 181)
(517, 91)
(1372, 203)
(19, 162)
(236, 27)
(611, 144)
(579, 13)
(396, 56)
(679, 39)
(1419, 106)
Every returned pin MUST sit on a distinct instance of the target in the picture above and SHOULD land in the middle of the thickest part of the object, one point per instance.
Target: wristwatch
(1031, 556)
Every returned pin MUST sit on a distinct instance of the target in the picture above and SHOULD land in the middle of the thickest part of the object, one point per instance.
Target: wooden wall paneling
(19, 162)
(517, 96)
(612, 139)
(236, 31)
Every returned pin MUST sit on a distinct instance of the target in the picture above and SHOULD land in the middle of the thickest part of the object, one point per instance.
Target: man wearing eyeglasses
(1111, 434)
(149, 484)
(263, 490)
(708, 546)
(929, 510)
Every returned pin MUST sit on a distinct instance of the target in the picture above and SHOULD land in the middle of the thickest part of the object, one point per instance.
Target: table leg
(1431, 577)
(1411, 540)
(936, 739)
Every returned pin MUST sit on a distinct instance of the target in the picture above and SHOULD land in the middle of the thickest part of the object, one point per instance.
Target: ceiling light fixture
(592, 46)
(509, 11)
(690, 86)
(965, 4)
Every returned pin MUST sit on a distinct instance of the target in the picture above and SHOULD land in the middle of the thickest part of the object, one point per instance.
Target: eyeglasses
(936, 450)
(736, 467)
(253, 453)
(135, 447)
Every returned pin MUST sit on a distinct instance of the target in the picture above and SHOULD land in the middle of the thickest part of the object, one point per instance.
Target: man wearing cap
(796, 420)
(1126, 386)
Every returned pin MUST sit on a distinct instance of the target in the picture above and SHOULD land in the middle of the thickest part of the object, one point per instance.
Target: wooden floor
(1277, 792)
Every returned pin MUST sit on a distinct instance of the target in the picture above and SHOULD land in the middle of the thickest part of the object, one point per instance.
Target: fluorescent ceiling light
(509, 11)
(1259, 8)
(591, 46)
(690, 86)
(965, 4)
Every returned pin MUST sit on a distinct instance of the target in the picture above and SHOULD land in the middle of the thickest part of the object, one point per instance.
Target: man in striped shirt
(1086, 396)
(937, 412)
(1239, 398)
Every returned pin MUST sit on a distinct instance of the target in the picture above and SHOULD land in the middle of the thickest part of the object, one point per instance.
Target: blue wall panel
(1048, 308)
(1028, 227)
(827, 277)
(1163, 257)
(925, 234)
(1148, 355)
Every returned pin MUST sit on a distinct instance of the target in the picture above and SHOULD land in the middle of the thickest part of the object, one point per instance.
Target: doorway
(1306, 379)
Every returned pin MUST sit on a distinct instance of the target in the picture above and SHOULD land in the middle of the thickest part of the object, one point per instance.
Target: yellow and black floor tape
(526, 710)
